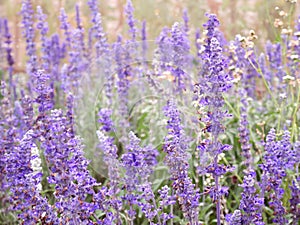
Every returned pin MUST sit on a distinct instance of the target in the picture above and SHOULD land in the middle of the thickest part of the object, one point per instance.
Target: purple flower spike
(280, 156)
(214, 81)
(24, 178)
(130, 20)
(27, 13)
(251, 203)
(9, 58)
(177, 160)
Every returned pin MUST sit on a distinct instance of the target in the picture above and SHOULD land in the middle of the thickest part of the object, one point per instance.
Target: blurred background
(237, 16)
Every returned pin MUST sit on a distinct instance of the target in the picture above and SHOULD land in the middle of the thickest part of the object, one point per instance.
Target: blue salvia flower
(251, 203)
(81, 42)
(280, 156)
(130, 20)
(43, 90)
(110, 158)
(165, 200)
(65, 26)
(235, 218)
(244, 132)
(27, 112)
(131, 46)
(105, 120)
(295, 201)
(93, 5)
(214, 82)
(138, 163)
(163, 58)
(9, 138)
(177, 160)
(42, 25)
(180, 56)
(274, 56)
(185, 18)
(264, 69)
(27, 13)
(122, 84)
(9, 58)
(68, 170)
(56, 55)
(24, 184)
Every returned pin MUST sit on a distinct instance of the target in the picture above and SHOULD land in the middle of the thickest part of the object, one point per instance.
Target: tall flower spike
(186, 20)
(110, 158)
(93, 5)
(163, 58)
(244, 132)
(65, 26)
(214, 82)
(28, 32)
(130, 20)
(9, 58)
(144, 44)
(42, 25)
(122, 84)
(180, 56)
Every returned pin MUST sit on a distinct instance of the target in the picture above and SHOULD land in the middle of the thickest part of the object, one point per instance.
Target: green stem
(294, 125)
(236, 174)
(237, 115)
(258, 69)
